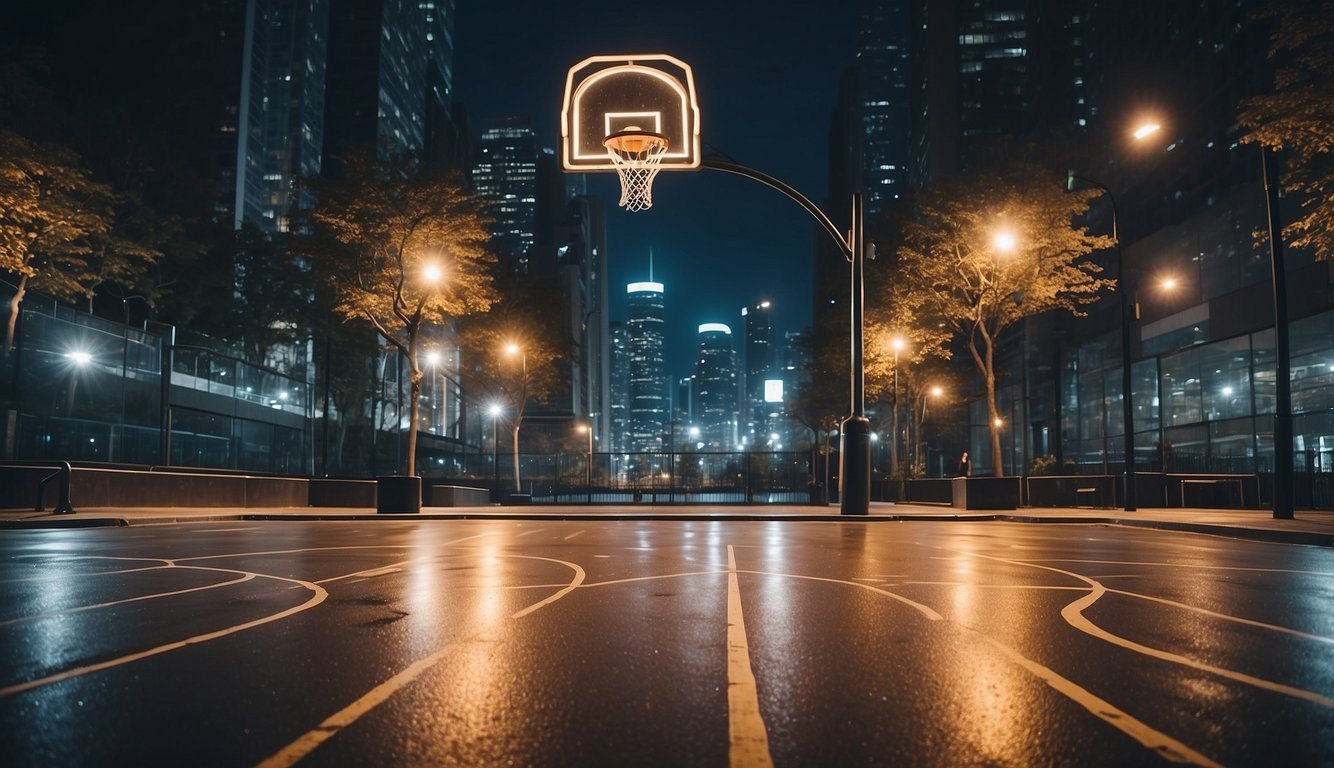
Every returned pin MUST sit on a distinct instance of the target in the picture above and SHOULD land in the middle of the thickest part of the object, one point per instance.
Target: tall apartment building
(758, 364)
(650, 404)
(883, 98)
(505, 173)
(280, 135)
(717, 384)
(618, 354)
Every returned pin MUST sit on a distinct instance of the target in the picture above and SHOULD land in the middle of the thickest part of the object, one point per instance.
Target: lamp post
(494, 412)
(513, 349)
(935, 392)
(1282, 375)
(854, 479)
(588, 468)
(895, 344)
(1123, 288)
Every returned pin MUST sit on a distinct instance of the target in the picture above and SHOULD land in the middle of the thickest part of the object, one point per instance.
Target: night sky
(766, 72)
(767, 76)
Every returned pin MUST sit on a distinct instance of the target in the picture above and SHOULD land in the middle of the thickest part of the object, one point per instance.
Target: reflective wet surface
(690, 642)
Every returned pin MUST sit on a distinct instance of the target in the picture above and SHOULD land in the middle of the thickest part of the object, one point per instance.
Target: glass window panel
(1186, 449)
(1181, 388)
(1225, 378)
(1144, 386)
(1091, 417)
(1069, 400)
(1262, 371)
(1232, 445)
(1111, 403)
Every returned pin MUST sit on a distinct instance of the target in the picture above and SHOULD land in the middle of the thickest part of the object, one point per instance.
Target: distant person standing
(965, 465)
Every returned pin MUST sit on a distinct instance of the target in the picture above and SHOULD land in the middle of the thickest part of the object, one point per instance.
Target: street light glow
(897, 343)
(1146, 129)
(1169, 283)
(494, 410)
(1005, 241)
(937, 391)
(511, 349)
(432, 273)
(79, 357)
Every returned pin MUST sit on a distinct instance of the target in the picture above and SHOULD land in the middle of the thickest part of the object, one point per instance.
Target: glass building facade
(650, 406)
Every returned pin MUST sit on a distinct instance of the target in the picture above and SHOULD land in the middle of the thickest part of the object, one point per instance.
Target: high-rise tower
(716, 384)
(281, 113)
(759, 362)
(883, 100)
(505, 173)
(649, 402)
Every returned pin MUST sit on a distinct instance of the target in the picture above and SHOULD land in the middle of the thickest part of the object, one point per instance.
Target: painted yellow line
(578, 579)
(348, 715)
(154, 596)
(1163, 745)
(922, 609)
(1225, 617)
(1074, 616)
(317, 598)
(326, 730)
(748, 742)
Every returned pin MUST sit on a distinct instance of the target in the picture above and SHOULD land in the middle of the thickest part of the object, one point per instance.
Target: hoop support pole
(805, 202)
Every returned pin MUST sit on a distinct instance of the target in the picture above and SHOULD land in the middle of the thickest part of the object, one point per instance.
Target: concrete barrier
(985, 492)
(456, 496)
(337, 492)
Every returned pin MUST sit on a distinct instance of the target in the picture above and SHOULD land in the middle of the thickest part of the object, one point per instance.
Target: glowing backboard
(607, 95)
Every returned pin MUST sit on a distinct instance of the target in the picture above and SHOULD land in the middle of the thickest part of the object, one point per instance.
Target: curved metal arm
(786, 189)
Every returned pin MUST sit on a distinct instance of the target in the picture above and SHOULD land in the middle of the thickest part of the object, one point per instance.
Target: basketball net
(637, 156)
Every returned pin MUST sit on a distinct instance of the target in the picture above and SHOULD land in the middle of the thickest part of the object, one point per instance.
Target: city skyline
(766, 105)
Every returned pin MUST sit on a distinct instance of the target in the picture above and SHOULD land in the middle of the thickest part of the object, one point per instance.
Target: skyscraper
(716, 383)
(281, 112)
(883, 100)
(649, 401)
(618, 335)
(378, 80)
(759, 362)
(505, 173)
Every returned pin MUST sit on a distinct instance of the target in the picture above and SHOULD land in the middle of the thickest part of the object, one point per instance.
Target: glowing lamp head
(494, 410)
(432, 358)
(432, 273)
(79, 358)
(1145, 130)
(1005, 242)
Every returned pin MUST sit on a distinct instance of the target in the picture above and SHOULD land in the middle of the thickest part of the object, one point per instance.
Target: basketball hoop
(636, 155)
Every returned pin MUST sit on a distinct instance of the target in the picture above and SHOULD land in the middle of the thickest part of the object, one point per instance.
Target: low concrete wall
(1064, 490)
(96, 487)
(330, 492)
(985, 492)
(456, 496)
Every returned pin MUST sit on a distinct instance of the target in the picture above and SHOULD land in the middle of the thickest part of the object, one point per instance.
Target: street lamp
(512, 350)
(588, 468)
(935, 392)
(1282, 374)
(494, 411)
(897, 345)
(1122, 288)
